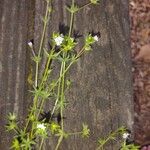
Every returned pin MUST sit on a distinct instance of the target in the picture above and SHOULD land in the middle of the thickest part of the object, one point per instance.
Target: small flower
(59, 39)
(96, 38)
(125, 135)
(41, 130)
(41, 126)
(30, 44)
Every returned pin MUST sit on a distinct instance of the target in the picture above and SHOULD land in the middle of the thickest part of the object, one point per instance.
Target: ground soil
(140, 45)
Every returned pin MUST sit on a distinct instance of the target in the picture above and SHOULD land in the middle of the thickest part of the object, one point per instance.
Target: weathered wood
(14, 33)
(101, 93)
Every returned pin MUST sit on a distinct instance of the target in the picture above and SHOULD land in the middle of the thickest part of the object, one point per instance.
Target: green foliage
(12, 117)
(27, 143)
(36, 59)
(12, 124)
(54, 128)
(89, 40)
(73, 8)
(68, 44)
(62, 133)
(124, 146)
(15, 144)
(85, 131)
(94, 1)
(41, 93)
(111, 136)
(41, 130)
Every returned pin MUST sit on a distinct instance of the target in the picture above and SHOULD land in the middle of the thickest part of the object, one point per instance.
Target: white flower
(30, 44)
(58, 40)
(41, 126)
(125, 135)
(96, 38)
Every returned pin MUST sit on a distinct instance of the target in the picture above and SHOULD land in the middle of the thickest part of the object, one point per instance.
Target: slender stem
(34, 106)
(44, 78)
(46, 69)
(82, 7)
(58, 92)
(67, 68)
(75, 133)
(71, 20)
(59, 142)
(62, 84)
(35, 99)
(42, 141)
(71, 23)
(62, 95)
(41, 42)
(33, 53)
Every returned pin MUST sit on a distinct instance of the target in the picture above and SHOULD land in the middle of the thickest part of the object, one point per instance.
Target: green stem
(42, 141)
(67, 68)
(59, 142)
(75, 133)
(41, 42)
(35, 99)
(82, 7)
(62, 94)
(58, 92)
(71, 20)
(44, 78)
(62, 81)
(71, 23)
(34, 106)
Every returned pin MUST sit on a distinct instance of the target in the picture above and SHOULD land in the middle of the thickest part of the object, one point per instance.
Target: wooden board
(101, 93)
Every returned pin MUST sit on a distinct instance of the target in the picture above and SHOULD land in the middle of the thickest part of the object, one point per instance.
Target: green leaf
(12, 117)
(45, 20)
(73, 8)
(27, 143)
(62, 104)
(68, 83)
(68, 44)
(62, 133)
(36, 59)
(101, 142)
(89, 40)
(129, 147)
(88, 47)
(85, 131)
(11, 126)
(15, 144)
(54, 127)
(41, 93)
(94, 1)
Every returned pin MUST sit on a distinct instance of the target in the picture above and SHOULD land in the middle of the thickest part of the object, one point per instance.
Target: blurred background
(140, 44)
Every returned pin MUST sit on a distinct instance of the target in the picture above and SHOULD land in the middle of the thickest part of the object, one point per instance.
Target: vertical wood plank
(101, 93)
(13, 49)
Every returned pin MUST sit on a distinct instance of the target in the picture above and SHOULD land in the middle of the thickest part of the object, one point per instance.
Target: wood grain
(101, 93)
